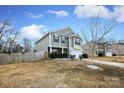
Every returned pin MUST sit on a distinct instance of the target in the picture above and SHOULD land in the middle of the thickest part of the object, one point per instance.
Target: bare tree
(121, 42)
(7, 30)
(110, 40)
(4, 27)
(96, 31)
(12, 40)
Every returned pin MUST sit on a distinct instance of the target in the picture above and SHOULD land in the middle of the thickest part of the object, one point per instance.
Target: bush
(64, 55)
(113, 54)
(72, 57)
(45, 55)
(55, 55)
(100, 54)
(84, 56)
(80, 57)
(52, 55)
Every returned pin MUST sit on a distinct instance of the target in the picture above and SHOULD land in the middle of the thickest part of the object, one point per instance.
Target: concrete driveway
(99, 62)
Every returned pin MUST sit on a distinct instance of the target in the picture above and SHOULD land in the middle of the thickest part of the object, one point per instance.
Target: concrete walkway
(99, 62)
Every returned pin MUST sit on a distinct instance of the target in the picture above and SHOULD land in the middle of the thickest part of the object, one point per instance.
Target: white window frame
(55, 38)
(77, 41)
(63, 39)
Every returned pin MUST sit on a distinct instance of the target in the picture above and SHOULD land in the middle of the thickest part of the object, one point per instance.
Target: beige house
(118, 49)
(61, 41)
(115, 48)
(105, 49)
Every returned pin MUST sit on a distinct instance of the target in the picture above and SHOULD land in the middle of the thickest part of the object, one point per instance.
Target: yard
(58, 74)
(112, 58)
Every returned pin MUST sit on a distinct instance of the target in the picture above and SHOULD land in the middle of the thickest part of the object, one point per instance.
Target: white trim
(59, 40)
(69, 46)
(73, 35)
(50, 42)
(68, 32)
(62, 50)
(58, 46)
(49, 39)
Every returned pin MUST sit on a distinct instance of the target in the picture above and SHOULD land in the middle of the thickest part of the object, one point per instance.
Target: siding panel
(43, 44)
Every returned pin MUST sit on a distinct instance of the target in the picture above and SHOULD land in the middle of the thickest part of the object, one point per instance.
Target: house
(118, 49)
(105, 49)
(110, 49)
(61, 41)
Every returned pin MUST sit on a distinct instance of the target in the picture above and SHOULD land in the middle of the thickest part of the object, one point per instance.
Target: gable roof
(62, 30)
(67, 31)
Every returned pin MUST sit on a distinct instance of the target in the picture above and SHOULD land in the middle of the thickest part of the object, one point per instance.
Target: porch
(57, 52)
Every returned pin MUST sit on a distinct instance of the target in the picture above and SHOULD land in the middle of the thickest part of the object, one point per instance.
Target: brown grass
(118, 58)
(57, 74)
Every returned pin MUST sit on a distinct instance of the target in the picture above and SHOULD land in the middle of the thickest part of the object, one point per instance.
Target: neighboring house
(61, 41)
(99, 48)
(115, 48)
(118, 49)
(105, 49)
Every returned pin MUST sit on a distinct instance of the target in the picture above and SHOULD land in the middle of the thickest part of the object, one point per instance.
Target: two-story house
(105, 49)
(61, 41)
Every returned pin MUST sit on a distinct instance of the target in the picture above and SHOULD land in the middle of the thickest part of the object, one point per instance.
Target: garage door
(76, 53)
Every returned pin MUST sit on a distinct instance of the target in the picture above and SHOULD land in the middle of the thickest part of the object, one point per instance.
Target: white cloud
(119, 13)
(60, 13)
(92, 10)
(33, 32)
(34, 16)
(89, 11)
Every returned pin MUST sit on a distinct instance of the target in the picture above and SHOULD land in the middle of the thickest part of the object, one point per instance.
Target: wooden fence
(19, 57)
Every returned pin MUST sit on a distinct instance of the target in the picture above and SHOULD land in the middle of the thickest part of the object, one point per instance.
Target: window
(100, 46)
(109, 46)
(55, 38)
(77, 41)
(63, 40)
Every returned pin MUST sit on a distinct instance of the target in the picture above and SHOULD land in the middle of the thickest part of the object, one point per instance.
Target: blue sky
(33, 20)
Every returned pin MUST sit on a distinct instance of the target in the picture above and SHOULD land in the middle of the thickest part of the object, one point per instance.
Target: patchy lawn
(57, 74)
(118, 58)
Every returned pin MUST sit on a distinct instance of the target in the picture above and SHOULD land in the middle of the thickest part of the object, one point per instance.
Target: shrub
(64, 55)
(52, 55)
(100, 54)
(84, 56)
(80, 57)
(55, 55)
(72, 57)
(45, 55)
(113, 54)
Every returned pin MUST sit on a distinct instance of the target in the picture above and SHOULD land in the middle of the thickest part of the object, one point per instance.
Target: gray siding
(43, 44)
